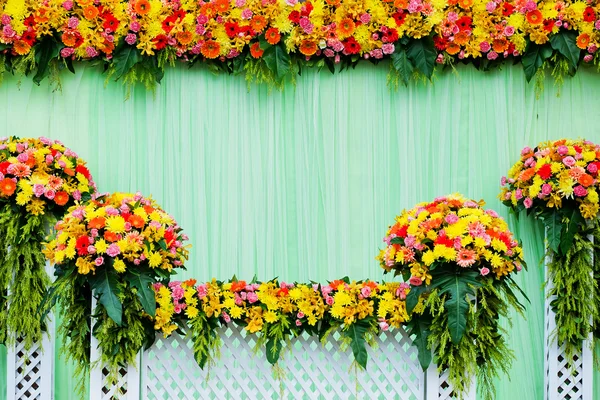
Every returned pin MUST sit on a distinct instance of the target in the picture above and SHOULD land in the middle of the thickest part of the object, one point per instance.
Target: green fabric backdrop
(303, 184)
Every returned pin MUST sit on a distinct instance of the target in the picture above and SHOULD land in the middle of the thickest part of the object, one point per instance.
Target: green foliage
(105, 282)
(565, 42)
(142, 281)
(534, 58)
(45, 51)
(278, 61)
(422, 53)
(419, 329)
(402, 64)
(205, 338)
(356, 333)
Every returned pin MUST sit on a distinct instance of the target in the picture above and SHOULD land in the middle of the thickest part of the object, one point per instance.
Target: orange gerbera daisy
(90, 12)
(465, 3)
(61, 198)
(110, 236)
(7, 186)
(334, 2)
(500, 45)
(258, 23)
(256, 51)
(308, 47)
(41, 15)
(452, 48)
(346, 27)
(461, 38)
(535, 17)
(185, 37)
(136, 221)
(222, 5)
(401, 4)
(69, 38)
(586, 180)
(527, 174)
(273, 37)
(142, 7)
(98, 223)
(210, 49)
(209, 10)
(21, 47)
(583, 41)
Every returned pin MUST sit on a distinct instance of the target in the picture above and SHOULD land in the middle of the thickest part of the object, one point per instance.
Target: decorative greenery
(271, 41)
(458, 259)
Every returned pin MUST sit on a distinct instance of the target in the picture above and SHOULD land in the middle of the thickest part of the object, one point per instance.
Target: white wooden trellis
(565, 379)
(310, 371)
(29, 373)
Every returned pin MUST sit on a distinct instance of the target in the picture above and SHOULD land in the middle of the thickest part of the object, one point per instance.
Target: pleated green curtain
(302, 184)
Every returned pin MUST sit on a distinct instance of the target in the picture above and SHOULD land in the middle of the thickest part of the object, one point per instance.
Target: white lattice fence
(565, 380)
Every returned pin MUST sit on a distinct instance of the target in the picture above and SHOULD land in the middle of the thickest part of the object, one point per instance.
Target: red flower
(168, 23)
(545, 172)
(400, 231)
(399, 17)
(577, 148)
(110, 22)
(464, 23)
(351, 46)
(283, 292)
(4, 167)
(160, 42)
(170, 238)
(440, 43)
(29, 36)
(507, 9)
(589, 15)
(83, 171)
(81, 245)
(29, 22)
(294, 17)
(238, 286)
(391, 36)
(307, 9)
(445, 241)
(232, 29)
(548, 25)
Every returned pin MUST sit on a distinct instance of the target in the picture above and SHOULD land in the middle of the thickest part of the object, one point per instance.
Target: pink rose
(415, 281)
(329, 300)
(298, 322)
(569, 161)
(384, 326)
(202, 291)
(226, 317)
(562, 150)
(300, 315)
(528, 202)
(99, 261)
(484, 271)
(252, 297)
(365, 291)
(113, 250)
(580, 191)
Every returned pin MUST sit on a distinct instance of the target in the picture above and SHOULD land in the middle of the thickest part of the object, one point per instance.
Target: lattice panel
(439, 387)
(310, 369)
(28, 377)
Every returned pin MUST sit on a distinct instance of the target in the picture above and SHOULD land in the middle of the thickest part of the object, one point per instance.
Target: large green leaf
(124, 58)
(419, 329)
(142, 282)
(422, 54)
(403, 65)
(45, 50)
(105, 283)
(278, 61)
(533, 58)
(458, 286)
(570, 229)
(412, 299)
(553, 223)
(356, 332)
(273, 349)
(565, 42)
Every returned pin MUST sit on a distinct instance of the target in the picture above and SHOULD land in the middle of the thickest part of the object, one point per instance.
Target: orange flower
(21, 47)
(452, 48)
(222, 6)
(69, 38)
(583, 41)
(586, 180)
(7, 186)
(149, 209)
(90, 12)
(527, 174)
(69, 171)
(500, 45)
(461, 38)
(273, 37)
(336, 283)
(535, 17)
(61, 198)
(256, 51)
(190, 282)
(97, 223)
(238, 286)
(346, 28)
(41, 16)
(210, 49)
(401, 3)
(209, 10)
(334, 2)
(110, 236)
(185, 37)
(308, 47)
(465, 3)
(136, 221)
(258, 23)
(142, 7)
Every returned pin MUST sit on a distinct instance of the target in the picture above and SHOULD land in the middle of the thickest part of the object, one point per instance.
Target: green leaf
(570, 229)
(105, 283)
(397, 240)
(553, 223)
(45, 50)
(356, 332)
(534, 57)
(422, 54)
(402, 64)
(565, 42)
(142, 281)
(273, 350)
(278, 61)
(124, 59)
(458, 286)
(412, 298)
(419, 328)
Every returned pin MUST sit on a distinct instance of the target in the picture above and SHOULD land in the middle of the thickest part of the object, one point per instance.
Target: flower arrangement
(558, 183)
(136, 38)
(39, 180)
(278, 311)
(458, 260)
(114, 247)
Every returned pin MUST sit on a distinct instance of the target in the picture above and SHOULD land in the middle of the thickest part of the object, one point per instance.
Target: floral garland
(278, 311)
(39, 180)
(115, 246)
(558, 183)
(270, 40)
(458, 258)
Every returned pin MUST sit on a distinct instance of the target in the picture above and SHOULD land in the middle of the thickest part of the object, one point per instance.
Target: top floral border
(270, 40)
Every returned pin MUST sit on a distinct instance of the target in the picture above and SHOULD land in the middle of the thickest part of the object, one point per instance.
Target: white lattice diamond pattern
(311, 370)
(28, 371)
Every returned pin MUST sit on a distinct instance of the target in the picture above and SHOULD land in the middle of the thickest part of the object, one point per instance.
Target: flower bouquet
(458, 260)
(113, 248)
(39, 180)
(558, 183)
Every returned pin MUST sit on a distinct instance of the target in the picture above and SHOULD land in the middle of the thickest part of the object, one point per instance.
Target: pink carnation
(113, 250)
(546, 189)
(569, 161)
(388, 48)
(99, 261)
(528, 202)
(226, 317)
(451, 218)
(252, 297)
(329, 300)
(580, 191)
(202, 291)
